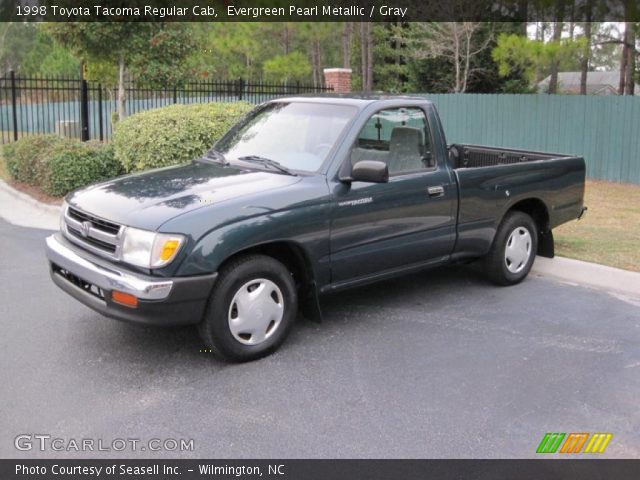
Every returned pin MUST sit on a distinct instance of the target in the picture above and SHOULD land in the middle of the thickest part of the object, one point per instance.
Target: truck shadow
(421, 287)
(155, 349)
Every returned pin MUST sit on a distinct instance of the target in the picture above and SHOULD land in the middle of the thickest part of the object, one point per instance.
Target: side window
(399, 137)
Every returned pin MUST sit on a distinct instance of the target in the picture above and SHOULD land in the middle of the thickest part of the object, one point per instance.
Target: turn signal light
(169, 249)
(125, 299)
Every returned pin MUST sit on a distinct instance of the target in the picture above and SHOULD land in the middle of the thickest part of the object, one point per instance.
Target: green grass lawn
(609, 233)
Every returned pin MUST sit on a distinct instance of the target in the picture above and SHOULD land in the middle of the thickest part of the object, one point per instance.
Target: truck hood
(147, 200)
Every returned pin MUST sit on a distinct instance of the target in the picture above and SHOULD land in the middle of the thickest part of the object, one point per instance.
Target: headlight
(149, 249)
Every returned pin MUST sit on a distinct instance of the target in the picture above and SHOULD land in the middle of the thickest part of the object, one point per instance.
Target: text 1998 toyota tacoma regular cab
(306, 196)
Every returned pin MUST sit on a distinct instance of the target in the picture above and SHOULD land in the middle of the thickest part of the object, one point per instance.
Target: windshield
(297, 135)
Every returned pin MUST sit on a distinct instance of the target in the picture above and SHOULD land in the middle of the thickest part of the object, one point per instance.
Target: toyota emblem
(86, 227)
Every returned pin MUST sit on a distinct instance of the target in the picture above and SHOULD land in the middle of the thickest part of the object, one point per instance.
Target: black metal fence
(76, 108)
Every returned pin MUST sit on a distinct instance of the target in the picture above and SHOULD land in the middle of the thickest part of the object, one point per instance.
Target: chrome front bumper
(106, 279)
(163, 301)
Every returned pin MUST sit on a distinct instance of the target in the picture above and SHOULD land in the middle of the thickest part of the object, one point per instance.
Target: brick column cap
(338, 70)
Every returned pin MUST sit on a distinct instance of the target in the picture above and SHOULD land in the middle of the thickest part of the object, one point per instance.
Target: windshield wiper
(214, 154)
(267, 162)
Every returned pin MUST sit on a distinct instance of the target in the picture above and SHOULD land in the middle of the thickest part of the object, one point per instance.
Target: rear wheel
(514, 249)
(251, 309)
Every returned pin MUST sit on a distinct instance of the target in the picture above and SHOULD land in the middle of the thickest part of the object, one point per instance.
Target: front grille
(92, 233)
(92, 241)
(109, 227)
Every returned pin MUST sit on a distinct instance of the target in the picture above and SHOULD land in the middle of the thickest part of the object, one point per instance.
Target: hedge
(174, 134)
(58, 165)
(78, 164)
(25, 158)
(154, 138)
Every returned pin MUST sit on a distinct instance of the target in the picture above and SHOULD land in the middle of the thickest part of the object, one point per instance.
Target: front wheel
(514, 249)
(251, 309)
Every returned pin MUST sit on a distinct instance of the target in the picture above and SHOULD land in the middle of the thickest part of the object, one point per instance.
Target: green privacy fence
(604, 130)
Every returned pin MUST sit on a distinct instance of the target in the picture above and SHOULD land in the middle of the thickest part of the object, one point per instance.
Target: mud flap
(546, 245)
(310, 303)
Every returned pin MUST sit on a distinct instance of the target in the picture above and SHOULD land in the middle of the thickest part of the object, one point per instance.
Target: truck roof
(356, 99)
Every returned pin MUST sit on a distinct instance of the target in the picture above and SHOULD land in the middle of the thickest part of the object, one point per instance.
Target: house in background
(598, 83)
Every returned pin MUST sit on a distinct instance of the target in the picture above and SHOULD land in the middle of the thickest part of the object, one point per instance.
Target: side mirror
(371, 171)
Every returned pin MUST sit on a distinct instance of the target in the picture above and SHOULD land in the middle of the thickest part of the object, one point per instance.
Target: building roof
(598, 83)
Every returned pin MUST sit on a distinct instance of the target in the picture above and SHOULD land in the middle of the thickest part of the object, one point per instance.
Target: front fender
(307, 227)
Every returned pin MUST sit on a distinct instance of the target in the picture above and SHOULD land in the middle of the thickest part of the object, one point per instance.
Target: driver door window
(398, 137)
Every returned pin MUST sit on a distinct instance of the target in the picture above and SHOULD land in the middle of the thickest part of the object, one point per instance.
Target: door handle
(436, 191)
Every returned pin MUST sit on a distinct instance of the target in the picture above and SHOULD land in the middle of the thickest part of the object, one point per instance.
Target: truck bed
(491, 180)
(476, 156)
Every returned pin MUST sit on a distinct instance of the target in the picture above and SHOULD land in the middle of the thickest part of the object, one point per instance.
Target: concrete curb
(20, 209)
(51, 209)
(588, 274)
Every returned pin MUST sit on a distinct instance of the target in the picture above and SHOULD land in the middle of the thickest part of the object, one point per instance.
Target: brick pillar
(338, 78)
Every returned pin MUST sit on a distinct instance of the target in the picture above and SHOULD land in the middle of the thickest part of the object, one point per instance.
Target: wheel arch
(297, 261)
(539, 212)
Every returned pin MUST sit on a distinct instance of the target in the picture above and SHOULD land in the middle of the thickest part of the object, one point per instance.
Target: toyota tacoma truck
(303, 197)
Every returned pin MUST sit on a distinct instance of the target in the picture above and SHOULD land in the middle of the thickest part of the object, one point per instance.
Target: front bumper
(161, 301)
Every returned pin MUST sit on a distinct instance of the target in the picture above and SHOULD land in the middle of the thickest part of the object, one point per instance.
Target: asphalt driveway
(438, 364)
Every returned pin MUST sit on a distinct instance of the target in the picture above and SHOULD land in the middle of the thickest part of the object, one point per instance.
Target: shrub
(174, 134)
(77, 164)
(25, 158)
(58, 165)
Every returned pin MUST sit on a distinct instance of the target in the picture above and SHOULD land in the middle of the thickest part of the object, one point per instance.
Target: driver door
(408, 221)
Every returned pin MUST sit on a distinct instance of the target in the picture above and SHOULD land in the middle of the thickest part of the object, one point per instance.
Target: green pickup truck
(306, 196)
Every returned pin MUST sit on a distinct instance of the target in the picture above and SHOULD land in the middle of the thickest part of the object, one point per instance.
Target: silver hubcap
(256, 311)
(518, 250)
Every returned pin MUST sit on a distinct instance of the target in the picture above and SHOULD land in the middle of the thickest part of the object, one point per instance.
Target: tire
(514, 249)
(251, 309)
